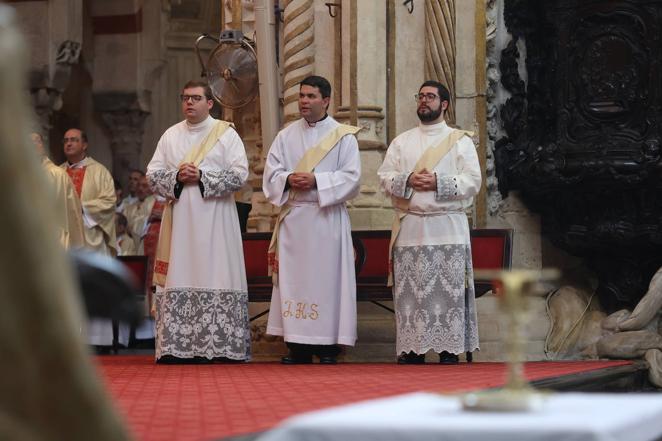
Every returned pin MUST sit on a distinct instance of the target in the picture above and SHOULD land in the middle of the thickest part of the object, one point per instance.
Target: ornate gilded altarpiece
(583, 132)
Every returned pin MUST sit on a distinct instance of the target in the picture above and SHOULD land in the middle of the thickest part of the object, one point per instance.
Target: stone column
(47, 96)
(440, 47)
(123, 101)
(363, 101)
(298, 52)
(126, 127)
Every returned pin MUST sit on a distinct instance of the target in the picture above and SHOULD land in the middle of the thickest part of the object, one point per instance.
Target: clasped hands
(301, 181)
(423, 181)
(188, 173)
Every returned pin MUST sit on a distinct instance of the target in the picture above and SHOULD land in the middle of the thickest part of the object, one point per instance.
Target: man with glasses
(96, 190)
(432, 174)
(201, 303)
(67, 208)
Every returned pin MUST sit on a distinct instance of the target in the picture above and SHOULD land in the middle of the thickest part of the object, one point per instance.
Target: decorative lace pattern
(197, 322)
(400, 188)
(163, 182)
(218, 183)
(446, 188)
(434, 299)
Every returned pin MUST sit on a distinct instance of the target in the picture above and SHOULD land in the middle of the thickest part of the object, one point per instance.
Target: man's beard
(429, 116)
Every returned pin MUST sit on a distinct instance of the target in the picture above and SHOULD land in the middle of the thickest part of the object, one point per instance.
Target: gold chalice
(517, 394)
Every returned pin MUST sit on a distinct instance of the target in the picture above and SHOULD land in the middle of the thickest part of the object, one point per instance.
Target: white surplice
(137, 215)
(433, 277)
(315, 299)
(203, 310)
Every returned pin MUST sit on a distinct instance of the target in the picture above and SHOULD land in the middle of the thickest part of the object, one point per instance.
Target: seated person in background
(134, 177)
(138, 213)
(125, 243)
(118, 195)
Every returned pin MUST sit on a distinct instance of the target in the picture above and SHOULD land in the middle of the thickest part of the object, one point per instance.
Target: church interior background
(115, 68)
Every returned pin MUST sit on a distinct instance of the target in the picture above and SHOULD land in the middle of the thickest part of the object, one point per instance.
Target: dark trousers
(300, 349)
(243, 209)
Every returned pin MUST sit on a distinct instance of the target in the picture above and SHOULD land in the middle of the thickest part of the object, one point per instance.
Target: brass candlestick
(517, 394)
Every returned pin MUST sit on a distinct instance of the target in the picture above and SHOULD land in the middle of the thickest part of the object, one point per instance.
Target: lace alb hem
(201, 322)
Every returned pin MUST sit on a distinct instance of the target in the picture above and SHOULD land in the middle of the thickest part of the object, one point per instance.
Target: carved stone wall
(54, 31)
(582, 140)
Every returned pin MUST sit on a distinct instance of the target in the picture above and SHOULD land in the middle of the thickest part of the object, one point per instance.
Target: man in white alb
(432, 174)
(312, 169)
(202, 308)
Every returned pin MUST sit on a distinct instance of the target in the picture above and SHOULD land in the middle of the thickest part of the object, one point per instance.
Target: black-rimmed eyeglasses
(427, 97)
(194, 98)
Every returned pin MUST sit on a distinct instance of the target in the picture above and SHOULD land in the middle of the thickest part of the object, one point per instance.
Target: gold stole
(306, 164)
(194, 156)
(428, 161)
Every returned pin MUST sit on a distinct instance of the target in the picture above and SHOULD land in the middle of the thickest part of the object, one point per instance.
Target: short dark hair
(136, 170)
(320, 82)
(443, 93)
(198, 83)
(121, 219)
(83, 135)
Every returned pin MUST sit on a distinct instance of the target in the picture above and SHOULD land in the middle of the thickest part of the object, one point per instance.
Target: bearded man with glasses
(201, 302)
(432, 174)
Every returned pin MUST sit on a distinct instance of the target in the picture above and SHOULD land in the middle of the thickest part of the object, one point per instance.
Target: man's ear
(444, 105)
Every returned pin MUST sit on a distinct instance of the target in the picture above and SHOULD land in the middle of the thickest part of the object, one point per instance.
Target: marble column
(126, 127)
(363, 99)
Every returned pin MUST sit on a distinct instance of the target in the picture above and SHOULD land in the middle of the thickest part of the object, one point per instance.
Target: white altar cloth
(430, 417)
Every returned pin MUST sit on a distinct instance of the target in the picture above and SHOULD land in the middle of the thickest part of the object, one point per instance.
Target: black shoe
(297, 359)
(328, 360)
(226, 360)
(411, 358)
(171, 359)
(101, 350)
(448, 358)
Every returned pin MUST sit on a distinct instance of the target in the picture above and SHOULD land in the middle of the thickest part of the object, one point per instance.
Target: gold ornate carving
(440, 46)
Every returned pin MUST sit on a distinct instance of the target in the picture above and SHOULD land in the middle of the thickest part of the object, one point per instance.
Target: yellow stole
(194, 156)
(306, 164)
(428, 161)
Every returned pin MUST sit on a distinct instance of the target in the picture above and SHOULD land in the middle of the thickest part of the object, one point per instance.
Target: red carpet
(207, 402)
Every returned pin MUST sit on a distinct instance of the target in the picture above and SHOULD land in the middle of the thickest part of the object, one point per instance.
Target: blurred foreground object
(517, 395)
(108, 287)
(49, 389)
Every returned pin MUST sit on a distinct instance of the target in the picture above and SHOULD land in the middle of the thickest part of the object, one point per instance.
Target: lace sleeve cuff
(163, 182)
(399, 187)
(446, 188)
(218, 183)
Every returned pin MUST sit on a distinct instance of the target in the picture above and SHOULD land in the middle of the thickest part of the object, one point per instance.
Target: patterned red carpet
(207, 402)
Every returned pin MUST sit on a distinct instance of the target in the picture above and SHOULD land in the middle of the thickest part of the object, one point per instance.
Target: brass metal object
(517, 395)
